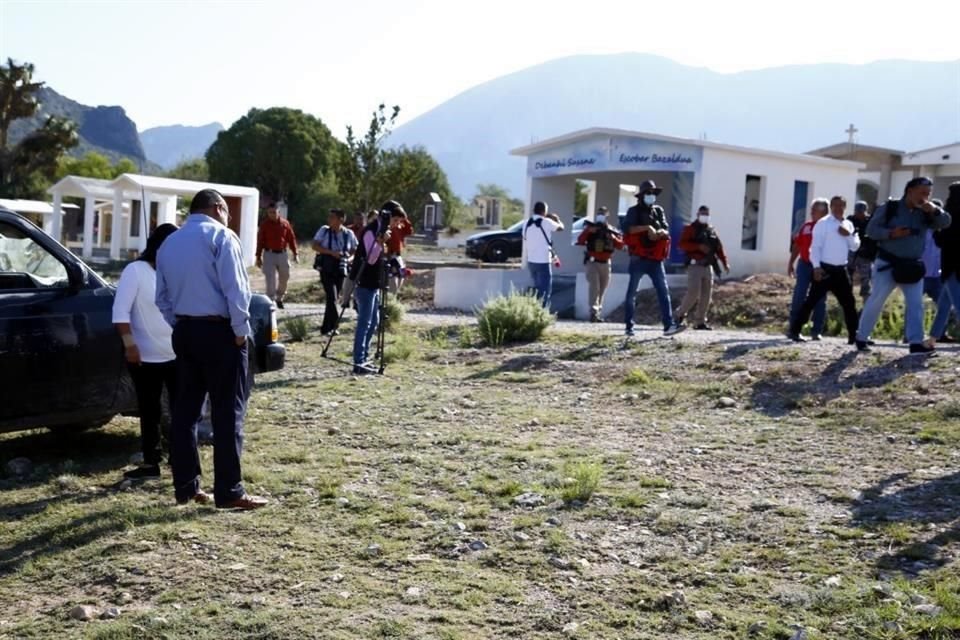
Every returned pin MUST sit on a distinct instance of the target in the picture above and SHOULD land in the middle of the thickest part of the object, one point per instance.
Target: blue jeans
(883, 285)
(640, 267)
(542, 275)
(368, 316)
(949, 297)
(800, 291)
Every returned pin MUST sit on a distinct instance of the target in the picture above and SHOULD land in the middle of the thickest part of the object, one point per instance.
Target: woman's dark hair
(156, 239)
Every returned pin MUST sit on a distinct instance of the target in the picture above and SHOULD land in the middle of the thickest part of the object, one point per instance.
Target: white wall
(466, 289)
(898, 181)
(248, 228)
(721, 186)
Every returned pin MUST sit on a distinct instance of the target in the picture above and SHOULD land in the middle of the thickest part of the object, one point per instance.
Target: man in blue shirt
(899, 227)
(335, 245)
(204, 294)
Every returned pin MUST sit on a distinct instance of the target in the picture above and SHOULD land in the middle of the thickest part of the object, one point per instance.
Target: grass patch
(298, 328)
(513, 318)
(637, 377)
(654, 482)
(583, 481)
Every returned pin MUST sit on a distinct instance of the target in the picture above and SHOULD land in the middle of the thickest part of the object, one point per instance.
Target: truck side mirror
(76, 276)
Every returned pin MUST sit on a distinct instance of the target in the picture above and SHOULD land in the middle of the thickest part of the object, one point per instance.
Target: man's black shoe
(279, 304)
(862, 345)
(796, 337)
(703, 327)
(143, 472)
(946, 339)
(816, 337)
(921, 348)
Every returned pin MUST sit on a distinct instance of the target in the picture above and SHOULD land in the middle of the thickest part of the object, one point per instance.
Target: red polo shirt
(804, 239)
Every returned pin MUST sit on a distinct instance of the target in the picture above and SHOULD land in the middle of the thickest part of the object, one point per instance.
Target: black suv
(61, 360)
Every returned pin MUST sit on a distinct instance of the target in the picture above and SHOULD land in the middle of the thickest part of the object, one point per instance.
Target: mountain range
(106, 130)
(168, 146)
(896, 104)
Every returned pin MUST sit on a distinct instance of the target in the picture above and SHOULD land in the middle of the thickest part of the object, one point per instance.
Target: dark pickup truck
(61, 360)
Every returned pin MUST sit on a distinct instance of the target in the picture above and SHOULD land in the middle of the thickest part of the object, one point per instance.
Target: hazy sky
(193, 62)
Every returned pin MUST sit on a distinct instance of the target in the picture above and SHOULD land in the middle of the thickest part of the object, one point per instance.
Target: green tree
(279, 151)
(360, 162)
(28, 166)
(409, 175)
(94, 165)
(580, 199)
(511, 209)
(195, 169)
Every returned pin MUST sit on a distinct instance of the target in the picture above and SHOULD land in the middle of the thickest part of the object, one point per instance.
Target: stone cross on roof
(850, 131)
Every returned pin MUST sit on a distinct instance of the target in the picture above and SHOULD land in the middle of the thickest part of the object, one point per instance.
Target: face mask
(703, 219)
(601, 219)
(649, 199)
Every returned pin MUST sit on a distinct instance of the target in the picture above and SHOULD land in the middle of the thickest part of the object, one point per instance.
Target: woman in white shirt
(147, 347)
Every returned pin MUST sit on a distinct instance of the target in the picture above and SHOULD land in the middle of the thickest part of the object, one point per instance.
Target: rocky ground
(724, 484)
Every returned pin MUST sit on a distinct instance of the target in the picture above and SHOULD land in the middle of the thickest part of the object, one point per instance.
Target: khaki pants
(699, 293)
(598, 279)
(275, 264)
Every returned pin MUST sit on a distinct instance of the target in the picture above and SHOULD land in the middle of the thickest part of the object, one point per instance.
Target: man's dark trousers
(835, 280)
(149, 379)
(208, 361)
(332, 282)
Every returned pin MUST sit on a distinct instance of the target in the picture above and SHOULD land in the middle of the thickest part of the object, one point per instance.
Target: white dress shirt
(134, 304)
(829, 247)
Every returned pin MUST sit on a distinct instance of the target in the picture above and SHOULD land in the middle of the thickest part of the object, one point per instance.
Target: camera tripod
(376, 364)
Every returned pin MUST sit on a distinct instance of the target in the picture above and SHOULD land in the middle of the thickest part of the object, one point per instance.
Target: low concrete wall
(466, 289)
(617, 292)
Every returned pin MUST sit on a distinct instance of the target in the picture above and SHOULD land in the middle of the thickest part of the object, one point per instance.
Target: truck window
(24, 264)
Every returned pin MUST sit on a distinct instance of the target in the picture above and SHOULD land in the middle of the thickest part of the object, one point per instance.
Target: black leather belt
(204, 318)
(598, 260)
(277, 250)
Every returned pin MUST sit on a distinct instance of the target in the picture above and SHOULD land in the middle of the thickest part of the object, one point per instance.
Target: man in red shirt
(705, 253)
(800, 247)
(273, 238)
(400, 229)
(601, 240)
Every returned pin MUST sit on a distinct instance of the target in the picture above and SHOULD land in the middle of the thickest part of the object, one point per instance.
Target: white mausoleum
(756, 198)
(105, 234)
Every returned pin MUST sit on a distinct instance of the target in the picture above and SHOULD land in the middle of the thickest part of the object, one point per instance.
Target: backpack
(639, 244)
(601, 241)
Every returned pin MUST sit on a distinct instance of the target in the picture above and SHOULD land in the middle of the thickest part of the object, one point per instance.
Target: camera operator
(705, 254)
(368, 273)
(335, 245)
(601, 241)
(360, 222)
